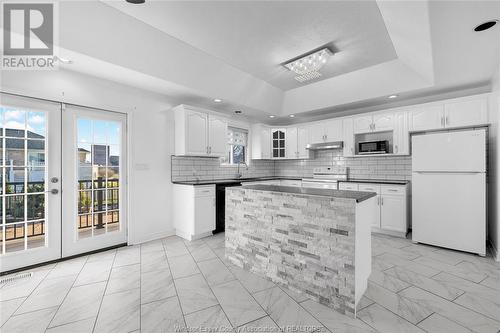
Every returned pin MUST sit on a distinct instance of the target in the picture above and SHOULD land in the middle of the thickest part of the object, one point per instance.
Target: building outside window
(236, 148)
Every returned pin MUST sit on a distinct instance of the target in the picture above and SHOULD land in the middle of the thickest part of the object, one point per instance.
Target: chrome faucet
(239, 175)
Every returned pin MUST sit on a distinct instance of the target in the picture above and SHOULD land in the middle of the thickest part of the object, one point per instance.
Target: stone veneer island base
(313, 241)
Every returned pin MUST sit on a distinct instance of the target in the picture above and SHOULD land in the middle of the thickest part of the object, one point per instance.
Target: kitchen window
(236, 148)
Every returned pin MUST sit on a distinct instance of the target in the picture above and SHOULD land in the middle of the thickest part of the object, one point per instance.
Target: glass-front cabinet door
(278, 142)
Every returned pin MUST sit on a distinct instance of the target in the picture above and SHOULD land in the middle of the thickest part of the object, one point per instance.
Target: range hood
(325, 145)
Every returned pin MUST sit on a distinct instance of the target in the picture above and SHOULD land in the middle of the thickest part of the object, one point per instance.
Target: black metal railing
(106, 210)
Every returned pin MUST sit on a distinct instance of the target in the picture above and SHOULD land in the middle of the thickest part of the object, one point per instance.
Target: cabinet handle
(352, 150)
(442, 121)
(396, 148)
(378, 201)
(392, 190)
(382, 201)
(446, 120)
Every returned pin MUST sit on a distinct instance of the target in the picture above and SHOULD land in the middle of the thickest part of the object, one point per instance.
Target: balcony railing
(106, 210)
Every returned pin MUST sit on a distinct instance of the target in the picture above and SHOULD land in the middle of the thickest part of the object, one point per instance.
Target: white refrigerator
(449, 190)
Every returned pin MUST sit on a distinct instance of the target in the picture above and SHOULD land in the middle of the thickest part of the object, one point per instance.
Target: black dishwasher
(220, 205)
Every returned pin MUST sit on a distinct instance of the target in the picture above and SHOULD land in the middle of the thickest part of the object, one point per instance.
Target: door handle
(53, 191)
(54, 180)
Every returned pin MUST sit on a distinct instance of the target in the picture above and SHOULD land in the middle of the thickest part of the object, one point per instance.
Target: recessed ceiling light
(486, 25)
(238, 111)
(392, 96)
(292, 116)
(217, 100)
(136, 2)
(272, 116)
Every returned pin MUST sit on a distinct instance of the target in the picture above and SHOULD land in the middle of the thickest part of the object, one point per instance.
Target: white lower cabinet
(194, 210)
(393, 213)
(392, 200)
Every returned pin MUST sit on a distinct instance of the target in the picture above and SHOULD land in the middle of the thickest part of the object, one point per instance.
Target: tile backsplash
(382, 167)
(209, 168)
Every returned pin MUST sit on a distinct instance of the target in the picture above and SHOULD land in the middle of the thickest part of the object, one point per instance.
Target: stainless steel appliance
(373, 147)
(325, 145)
(325, 177)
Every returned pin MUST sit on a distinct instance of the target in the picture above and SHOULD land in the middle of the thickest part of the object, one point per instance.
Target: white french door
(94, 174)
(63, 180)
(30, 163)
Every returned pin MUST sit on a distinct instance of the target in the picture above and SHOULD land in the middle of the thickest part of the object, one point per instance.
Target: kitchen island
(312, 241)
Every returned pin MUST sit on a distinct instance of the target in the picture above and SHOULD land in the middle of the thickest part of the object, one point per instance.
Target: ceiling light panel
(307, 67)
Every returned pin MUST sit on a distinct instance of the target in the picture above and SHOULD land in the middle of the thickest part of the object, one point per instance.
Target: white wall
(494, 169)
(151, 132)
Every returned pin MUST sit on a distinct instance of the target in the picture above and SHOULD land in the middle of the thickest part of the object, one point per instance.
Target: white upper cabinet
(217, 135)
(427, 118)
(326, 131)
(199, 133)
(348, 128)
(463, 112)
(302, 141)
(261, 142)
(378, 122)
(333, 130)
(291, 143)
(196, 133)
(278, 139)
(466, 113)
(383, 122)
(363, 124)
(401, 134)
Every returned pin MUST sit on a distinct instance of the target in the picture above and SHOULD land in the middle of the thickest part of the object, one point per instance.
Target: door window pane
(22, 178)
(35, 234)
(15, 152)
(36, 206)
(99, 148)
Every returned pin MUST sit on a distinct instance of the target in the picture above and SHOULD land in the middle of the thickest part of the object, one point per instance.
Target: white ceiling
(193, 52)
(258, 36)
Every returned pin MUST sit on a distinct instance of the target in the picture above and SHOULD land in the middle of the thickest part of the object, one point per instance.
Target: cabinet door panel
(196, 133)
(362, 124)
(383, 122)
(316, 133)
(291, 143)
(204, 215)
(217, 135)
(265, 134)
(401, 134)
(467, 113)
(333, 130)
(393, 213)
(348, 137)
(302, 141)
(426, 118)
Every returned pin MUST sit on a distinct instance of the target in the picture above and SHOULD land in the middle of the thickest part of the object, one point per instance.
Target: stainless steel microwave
(373, 147)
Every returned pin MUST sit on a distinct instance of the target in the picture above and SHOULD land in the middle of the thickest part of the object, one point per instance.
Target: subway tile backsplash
(208, 168)
(382, 167)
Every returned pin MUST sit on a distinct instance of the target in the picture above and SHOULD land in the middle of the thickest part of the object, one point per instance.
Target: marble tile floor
(170, 284)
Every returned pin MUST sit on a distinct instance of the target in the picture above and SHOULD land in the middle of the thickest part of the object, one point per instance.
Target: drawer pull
(392, 190)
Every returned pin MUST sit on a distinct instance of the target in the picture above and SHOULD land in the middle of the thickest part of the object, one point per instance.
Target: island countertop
(354, 195)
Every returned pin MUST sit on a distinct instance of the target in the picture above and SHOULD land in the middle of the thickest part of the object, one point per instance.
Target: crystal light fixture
(307, 67)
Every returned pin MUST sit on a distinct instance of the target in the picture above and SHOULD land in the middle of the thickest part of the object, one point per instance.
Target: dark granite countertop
(377, 181)
(354, 195)
(229, 181)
